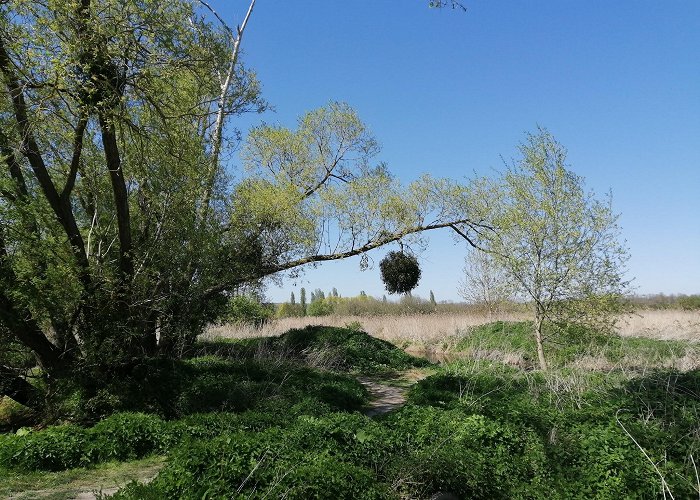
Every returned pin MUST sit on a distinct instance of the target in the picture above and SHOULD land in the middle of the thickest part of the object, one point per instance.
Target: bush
(52, 449)
(689, 302)
(128, 436)
(287, 310)
(320, 307)
(248, 310)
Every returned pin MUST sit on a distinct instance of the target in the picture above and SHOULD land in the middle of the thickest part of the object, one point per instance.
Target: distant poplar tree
(302, 299)
(334, 292)
(292, 300)
(432, 298)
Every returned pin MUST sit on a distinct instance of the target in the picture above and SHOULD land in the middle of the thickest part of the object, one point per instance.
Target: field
(432, 329)
(282, 412)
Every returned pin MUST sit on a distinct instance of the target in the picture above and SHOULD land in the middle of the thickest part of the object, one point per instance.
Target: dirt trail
(390, 394)
(92, 482)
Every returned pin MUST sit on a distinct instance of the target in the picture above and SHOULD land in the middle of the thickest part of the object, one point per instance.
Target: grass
(70, 483)
(278, 417)
(438, 331)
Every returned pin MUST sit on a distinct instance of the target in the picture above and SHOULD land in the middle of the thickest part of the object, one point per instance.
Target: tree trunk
(121, 197)
(539, 319)
(18, 389)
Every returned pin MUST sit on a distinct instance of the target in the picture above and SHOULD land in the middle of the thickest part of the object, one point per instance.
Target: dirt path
(85, 484)
(389, 393)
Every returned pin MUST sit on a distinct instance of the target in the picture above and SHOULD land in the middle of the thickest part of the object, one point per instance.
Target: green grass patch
(503, 340)
(69, 483)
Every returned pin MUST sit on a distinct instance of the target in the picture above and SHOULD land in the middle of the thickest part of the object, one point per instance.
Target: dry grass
(435, 329)
(419, 329)
(662, 325)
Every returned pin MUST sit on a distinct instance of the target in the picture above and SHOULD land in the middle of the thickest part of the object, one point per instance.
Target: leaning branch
(30, 149)
(217, 134)
(389, 238)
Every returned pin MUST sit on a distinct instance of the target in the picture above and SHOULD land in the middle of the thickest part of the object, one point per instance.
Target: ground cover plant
(476, 428)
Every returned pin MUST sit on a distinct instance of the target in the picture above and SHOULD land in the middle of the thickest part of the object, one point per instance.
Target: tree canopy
(121, 229)
(557, 243)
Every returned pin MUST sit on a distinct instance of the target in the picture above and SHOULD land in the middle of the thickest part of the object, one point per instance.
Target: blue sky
(450, 93)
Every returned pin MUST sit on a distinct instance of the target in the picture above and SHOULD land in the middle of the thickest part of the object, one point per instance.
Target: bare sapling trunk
(539, 319)
(217, 135)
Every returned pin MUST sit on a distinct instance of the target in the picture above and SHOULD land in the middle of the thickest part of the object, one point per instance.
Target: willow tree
(121, 232)
(556, 243)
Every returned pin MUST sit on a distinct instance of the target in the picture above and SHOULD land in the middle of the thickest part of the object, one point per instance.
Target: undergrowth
(253, 419)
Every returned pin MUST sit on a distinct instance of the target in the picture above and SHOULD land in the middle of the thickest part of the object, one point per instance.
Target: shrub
(128, 436)
(52, 449)
(320, 307)
(286, 310)
(248, 310)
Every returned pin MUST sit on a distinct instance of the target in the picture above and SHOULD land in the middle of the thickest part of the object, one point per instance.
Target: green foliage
(265, 464)
(569, 343)
(580, 421)
(287, 310)
(689, 302)
(320, 307)
(400, 272)
(128, 436)
(56, 448)
(248, 310)
(352, 349)
(122, 234)
(558, 244)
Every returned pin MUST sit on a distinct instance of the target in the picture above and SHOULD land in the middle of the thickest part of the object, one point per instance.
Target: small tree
(558, 244)
(432, 298)
(400, 272)
(302, 299)
(292, 300)
(485, 282)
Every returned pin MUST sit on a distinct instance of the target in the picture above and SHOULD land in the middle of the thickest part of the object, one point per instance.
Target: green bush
(128, 436)
(320, 307)
(52, 449)
(248, 310)
(287, 310)
(689, 302)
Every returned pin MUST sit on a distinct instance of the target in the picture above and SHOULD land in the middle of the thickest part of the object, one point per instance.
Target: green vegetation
(364, 305)
(513, 343)
(270, 417)
(400, 272)
(553, 241)
(122, 234)
(249, 310)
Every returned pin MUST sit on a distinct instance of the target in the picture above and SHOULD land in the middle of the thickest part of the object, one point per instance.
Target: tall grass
(432, 330)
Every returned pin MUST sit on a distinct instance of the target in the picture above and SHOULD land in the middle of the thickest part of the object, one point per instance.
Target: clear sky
(450, 93)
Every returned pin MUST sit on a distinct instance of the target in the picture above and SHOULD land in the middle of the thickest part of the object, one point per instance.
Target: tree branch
(75, 160)
(30, 149)
(217, 134)
(389, 238)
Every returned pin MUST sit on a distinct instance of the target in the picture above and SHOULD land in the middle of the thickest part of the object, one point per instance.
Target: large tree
(558, 244)
(121, 232)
